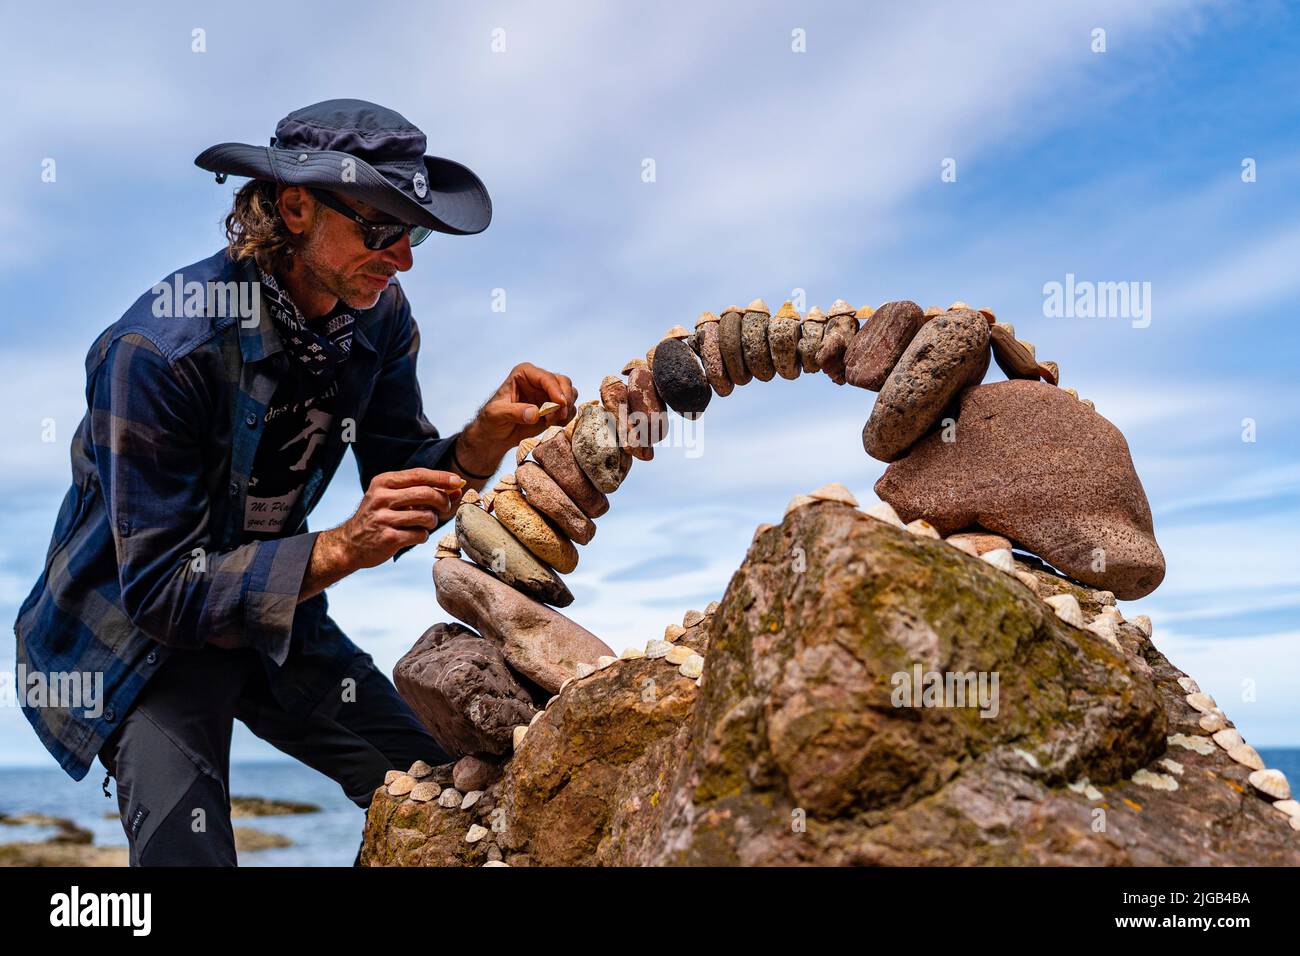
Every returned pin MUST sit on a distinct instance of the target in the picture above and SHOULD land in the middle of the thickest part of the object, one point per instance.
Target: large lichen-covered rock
(792, 750)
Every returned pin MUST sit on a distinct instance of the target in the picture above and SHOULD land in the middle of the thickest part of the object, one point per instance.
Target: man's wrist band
(455, 460)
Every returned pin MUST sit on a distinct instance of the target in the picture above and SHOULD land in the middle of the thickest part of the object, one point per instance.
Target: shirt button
(302, 157)
(251, 420)
(110, 715)
(151, 657)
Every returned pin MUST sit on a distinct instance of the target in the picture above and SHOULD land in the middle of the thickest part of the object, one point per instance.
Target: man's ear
(297, 208)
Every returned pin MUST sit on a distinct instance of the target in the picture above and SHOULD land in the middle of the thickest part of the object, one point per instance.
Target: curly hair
(254, 228)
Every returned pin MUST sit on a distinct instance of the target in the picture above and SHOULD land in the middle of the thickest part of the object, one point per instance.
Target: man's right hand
(399, 509)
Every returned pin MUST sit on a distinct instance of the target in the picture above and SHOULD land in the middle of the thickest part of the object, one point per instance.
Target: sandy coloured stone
(470, 799)
(547, 408)
(811, 331)
(799, 501)
(678, 653)
(1143, 623)
(419, 770)
(476, 833)
(596, 447)
(632, 653)
(583, 669)
(1290, 807)
(715, 369)
(524, 447)
(731, 344)
(843, 318)
(783, 341)
(711, 607)
(923, 529)
(519, 734)
(425, 790)
(692, 667)
(753, 338)
(1067, 608)
(981, 541)
(532, 529)
(541, 491)
(449, 799)
(656, 649)
(1105, 629)
(834, 492)
(1189, 685)
(680, 379)
(390, 776)
(401, 786)
(673, 633)
(647, 421)
(1212, 723)
(949, 353)
(605, 660)
(1247, 756)
(1050, 372)
(1012, 357)
(1203, 703)
(537, 641)
(555, 455)
(962, 544)
(884, 511)
(692, 617)
(492, 547)
(878, 345)
(1228, 738)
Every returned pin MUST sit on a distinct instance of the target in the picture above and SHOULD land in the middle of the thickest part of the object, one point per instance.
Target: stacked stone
(524, 533)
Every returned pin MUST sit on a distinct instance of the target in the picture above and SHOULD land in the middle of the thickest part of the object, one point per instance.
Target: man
(181, 576)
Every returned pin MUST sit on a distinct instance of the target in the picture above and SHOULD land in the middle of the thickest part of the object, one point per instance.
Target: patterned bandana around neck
(318, 350)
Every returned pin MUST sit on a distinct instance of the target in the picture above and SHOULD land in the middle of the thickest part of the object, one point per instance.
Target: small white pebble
(632, 653)
(692, 617)
(583, 669)
(678, 654)
(1143, 624)
(692, 667)
(475, 833)
(1200, 702)
(1067, 608)
(470, 799)
(1188, 685)
(884, 511)
(495, 863)
(449, 798)
(923, 529)
(1001, 559)
(1271, 782)
(520, 733)
(674, 631)
(603, 661)
(1247, 756)
(1228, 737)
(656, 649)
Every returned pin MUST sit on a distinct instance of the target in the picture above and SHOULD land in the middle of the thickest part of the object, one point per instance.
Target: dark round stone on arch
(680, 379)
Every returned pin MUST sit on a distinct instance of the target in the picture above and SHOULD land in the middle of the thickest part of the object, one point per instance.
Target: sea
(327, 838)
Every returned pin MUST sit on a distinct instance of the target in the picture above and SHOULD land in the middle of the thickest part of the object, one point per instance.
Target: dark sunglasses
(374, 235)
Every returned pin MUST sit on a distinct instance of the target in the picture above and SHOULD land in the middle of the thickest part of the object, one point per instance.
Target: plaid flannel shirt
(148, 553)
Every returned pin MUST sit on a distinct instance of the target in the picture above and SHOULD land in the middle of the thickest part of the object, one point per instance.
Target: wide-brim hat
(363, 150)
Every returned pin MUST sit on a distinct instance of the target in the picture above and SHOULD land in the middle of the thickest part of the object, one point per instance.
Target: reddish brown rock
(715, 369)
(537, 641)
(473, 772)
(541, 491)
(830, 354)
(555, 455)
(731, 343)
(880, 343)
(459, 686)
(797, 721)
(1032, 463)
(949, 352)
(647, 418)
(1014, 359)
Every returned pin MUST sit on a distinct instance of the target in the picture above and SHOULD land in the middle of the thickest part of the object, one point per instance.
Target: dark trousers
(171, 754)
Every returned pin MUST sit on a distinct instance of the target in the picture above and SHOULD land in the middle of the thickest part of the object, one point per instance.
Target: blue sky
(775, 171)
